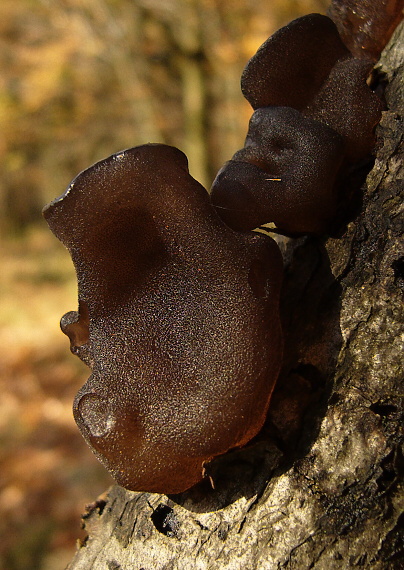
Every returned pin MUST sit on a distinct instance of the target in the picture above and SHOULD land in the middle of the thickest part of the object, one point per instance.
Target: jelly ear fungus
(366, 26)
(178, 319)
(178, 303)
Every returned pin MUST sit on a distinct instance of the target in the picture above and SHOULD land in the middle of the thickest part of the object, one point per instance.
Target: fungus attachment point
(179, 317)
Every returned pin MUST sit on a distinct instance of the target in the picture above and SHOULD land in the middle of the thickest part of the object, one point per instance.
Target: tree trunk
(322, 486)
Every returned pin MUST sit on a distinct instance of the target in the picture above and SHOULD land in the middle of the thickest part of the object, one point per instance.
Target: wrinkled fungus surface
(314, 116)
(178, 319)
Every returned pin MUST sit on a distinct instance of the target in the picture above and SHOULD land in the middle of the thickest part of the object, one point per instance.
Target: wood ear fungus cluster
(178, 311)
(314, 116)
(178, 319)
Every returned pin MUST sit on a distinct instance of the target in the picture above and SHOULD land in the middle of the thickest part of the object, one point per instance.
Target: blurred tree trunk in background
(335, 497)
(82, 79)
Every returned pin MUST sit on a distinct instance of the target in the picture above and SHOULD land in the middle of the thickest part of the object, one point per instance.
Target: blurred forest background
(80, 80)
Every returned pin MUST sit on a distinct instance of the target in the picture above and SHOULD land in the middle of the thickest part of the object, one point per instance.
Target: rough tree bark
(322, 486)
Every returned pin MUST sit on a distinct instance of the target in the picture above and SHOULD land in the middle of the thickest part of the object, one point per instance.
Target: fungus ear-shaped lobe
(285, 174)
(306, 66)
(289, 69)
(184, 334)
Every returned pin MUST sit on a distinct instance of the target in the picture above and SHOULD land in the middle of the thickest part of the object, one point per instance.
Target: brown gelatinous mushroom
(285, 174)
(366, 26)
(306, 66)
(294, 159)
(291, 66)
(178, 319)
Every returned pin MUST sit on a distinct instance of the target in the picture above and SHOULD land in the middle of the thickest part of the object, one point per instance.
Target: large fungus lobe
(178, 319)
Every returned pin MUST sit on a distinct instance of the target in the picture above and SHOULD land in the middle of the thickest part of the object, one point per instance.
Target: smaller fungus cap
(305, 65)
(289, 69)
(314, 117)
(285, 174)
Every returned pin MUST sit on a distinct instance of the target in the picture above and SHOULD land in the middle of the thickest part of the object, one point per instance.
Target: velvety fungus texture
(178, 319)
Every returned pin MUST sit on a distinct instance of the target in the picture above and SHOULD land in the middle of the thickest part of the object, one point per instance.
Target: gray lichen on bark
(329, 495)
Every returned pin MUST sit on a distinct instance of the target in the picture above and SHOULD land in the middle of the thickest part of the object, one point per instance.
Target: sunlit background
(80, 80)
